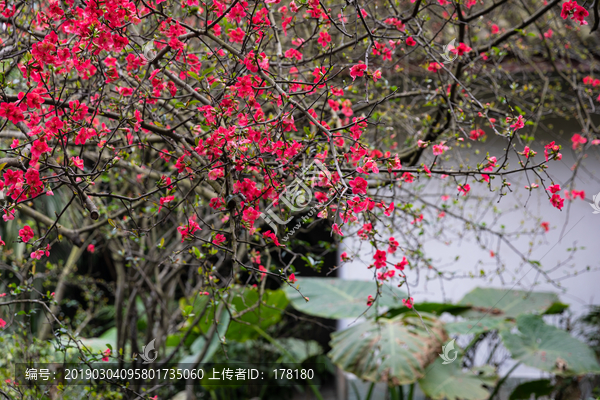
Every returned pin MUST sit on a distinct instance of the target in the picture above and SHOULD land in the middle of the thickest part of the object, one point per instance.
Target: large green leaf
(301, 350)
(200, 343)
(395, 351)
(100, 343)
(428, 307)
(475, 327)
(338, 298)
(539, 388)
(450, 382)
(548, 348)
(506, 303)
(264, 315)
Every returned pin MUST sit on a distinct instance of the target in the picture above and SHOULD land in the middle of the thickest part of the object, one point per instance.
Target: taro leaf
(433, 308)
(450, 382)
(336, 298)
(506, 303)
(548, 348)
(200, 343)
(476, 326)
(395, 351)
(539, 388)
(556, 308)
(265, 315)
(100, 343)
(300, 349)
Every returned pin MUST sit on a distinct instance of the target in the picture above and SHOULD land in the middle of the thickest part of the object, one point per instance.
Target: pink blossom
(359, 185)
(578, 141)
(464, 189)
(554, 188)
(219, 239)
(357, 70)
(400, 266)
(26, 233)
(438, 149)
(557, 201)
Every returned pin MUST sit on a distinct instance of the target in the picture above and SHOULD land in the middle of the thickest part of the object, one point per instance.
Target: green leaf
(336, 298)
(506, 303)
(196, 252)
(541, 387)
(107, 339)
(194, 75)
(267, 314)
(300, 349)
(556, 308)
(207, 71)
(200, 343)
(432, 308)
(476, 327)
(173, 340)
(395, 351)
(450, 382)
(548, 348)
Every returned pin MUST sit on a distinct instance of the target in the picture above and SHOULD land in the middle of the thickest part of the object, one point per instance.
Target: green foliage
(506, 303)
(262, 314)
(541, 387)
(476, 326)
(450, 382)
(548, 348)
(337, 298)
(395, 351)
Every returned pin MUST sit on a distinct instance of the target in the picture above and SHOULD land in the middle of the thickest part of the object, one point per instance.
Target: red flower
(236, 35)
(580, 194)
(578, 141)
(554, 189)
(461, 49)
(357, 70)
(11, 112)
(476, 134)
(557, 201)
(519, 123)
(434, 67)
(464, 189)
(359, 185)
(271, 235)
(324, 39)
(189, 229)
(380, 258)
(579, 15)
(566, 8)
(370, 301)
(219, 238)
(546, 226)
(26, 233)
(410, 41)
(402, 264)
(408, 302)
